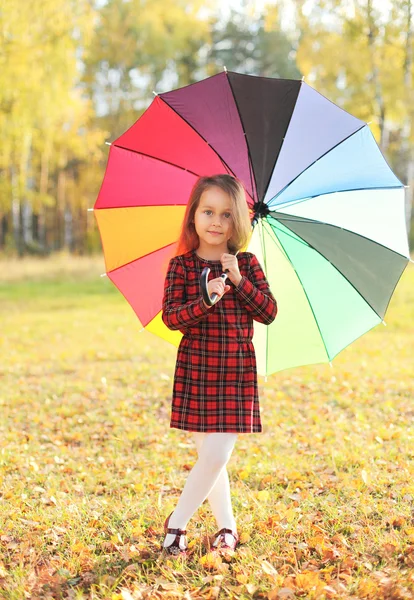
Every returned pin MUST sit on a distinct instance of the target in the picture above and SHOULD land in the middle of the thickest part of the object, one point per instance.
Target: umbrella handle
(209, 300)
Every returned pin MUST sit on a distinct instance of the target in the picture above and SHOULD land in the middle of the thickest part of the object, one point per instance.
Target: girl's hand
(230, 262)
(217, 286)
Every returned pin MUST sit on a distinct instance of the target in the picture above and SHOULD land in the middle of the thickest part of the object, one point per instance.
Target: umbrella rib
(300, 281)
(199, 134)
(137, 206)
(283, 141)
(342, 274)
(167, 162)
(393, 290)
(139, 257)
(262, 243)
(285, 217)
(301, 200)
(251, 170)
(314, 162)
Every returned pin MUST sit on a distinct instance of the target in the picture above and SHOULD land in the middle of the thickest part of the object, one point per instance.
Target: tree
(361, 58)
(253, 46)
(140, 47)
(44, 119)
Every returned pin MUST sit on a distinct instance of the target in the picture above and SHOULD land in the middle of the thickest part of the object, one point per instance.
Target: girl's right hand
(217, 286)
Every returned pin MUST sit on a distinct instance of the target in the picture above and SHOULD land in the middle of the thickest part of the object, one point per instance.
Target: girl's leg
(219, 497)
(214, 454)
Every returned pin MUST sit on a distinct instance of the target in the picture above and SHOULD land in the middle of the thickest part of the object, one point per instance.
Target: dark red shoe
(174, 548)
(222, 547)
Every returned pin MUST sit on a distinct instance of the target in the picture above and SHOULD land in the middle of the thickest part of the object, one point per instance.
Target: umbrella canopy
(329, 220)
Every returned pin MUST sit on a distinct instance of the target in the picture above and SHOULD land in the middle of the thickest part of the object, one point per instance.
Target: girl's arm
(255, 295)
(176, 312)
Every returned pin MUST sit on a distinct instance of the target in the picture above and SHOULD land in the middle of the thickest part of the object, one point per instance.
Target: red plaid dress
(215, 380)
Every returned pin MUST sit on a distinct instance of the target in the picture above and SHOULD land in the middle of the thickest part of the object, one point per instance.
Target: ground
(89, 467)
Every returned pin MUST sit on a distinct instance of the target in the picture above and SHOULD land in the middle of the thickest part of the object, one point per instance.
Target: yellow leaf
(367, 589)
(116, 539)
(211, 560)
(308, 581)
(244, 537)
(137, 531)
(80, 547)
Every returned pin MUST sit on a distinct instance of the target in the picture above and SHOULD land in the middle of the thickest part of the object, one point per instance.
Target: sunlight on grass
(61, 266)
(89, 467)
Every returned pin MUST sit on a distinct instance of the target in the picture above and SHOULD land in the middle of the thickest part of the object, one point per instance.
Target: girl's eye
(209, 212)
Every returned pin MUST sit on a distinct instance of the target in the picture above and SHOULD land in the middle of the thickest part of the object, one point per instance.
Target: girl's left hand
(230, 262)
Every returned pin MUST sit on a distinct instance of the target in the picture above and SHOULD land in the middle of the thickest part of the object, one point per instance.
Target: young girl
(215, 383)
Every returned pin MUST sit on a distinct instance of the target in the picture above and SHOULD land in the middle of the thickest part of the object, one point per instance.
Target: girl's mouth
(214, 232)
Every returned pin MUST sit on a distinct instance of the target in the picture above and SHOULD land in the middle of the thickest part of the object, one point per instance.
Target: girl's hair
(241, 222)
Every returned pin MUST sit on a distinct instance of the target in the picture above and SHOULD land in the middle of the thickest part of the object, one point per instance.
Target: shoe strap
(224, 530)
(177, 531)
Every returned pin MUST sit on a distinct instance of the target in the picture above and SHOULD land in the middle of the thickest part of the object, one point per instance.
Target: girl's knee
(217, 450)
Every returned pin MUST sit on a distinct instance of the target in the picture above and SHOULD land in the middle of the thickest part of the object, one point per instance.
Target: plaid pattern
(215, 380)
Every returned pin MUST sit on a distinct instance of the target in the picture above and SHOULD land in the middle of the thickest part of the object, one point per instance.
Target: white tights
(208, 478)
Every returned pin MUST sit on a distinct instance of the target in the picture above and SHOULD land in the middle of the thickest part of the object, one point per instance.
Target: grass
(89, 467)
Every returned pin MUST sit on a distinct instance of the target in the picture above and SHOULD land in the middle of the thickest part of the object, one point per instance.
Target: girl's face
(213, 218)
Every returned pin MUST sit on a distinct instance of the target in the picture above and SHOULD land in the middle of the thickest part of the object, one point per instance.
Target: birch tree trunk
(375, 75)
(43, 188)
(408, 125)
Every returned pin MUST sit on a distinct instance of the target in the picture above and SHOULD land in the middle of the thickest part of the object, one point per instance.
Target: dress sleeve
(255, 295)
(176, 312)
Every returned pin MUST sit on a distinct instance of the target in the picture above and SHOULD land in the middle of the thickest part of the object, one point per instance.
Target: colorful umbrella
(329, 221)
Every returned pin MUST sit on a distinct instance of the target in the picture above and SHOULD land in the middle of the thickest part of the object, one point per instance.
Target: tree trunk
(43, 189)
(60, 204)
(16, 221)
(4, 229)
(407, 129)
(375, 76)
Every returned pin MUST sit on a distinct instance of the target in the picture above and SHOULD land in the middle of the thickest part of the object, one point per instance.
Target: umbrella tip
(90, 209)
(384, 323)
(103, 274)
(155, 93)
(330, 364)
(303, 78)
(225, 68)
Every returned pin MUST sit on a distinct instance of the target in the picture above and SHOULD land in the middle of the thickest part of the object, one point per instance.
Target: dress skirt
(215, 380)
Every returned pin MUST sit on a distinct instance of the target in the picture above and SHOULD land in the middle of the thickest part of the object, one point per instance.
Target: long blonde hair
(241, 227)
